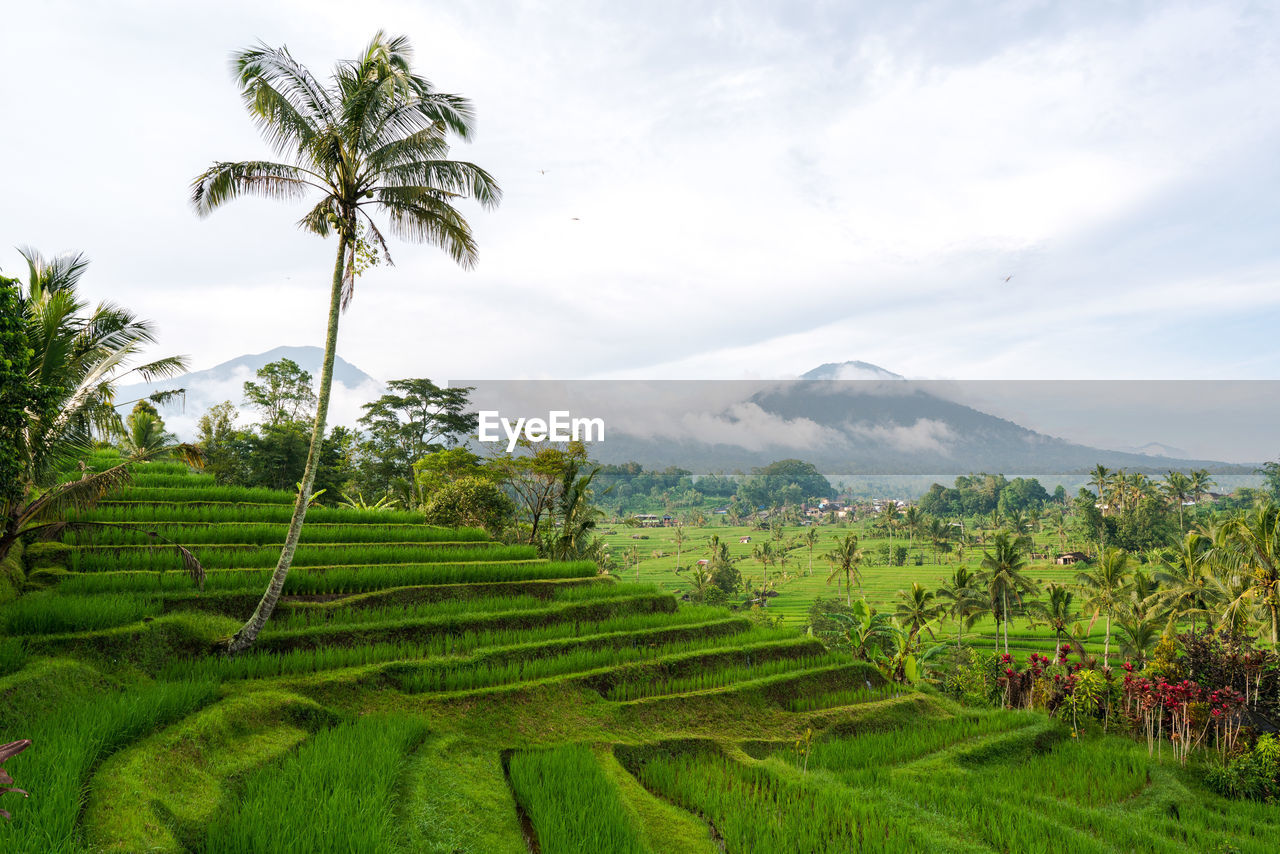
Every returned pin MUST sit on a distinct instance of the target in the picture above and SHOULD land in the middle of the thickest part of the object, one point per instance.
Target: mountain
(848, 418)
(854, 370)
(352, 387)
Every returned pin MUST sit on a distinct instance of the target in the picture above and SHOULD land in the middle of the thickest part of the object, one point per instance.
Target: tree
(1187, 575)
(1101, 479)
(1003, 579)
(679, 541)
(75, 357)
(1249, 547)
(845, 559)
(810, 541)
(916, 608)
(144, 433)
(376, 139)
(963, 600)
(1055, 612)
(1177, 489)
(1102, 586)
(415, 419)
(222, 444)
(470, 502)
(283, 393)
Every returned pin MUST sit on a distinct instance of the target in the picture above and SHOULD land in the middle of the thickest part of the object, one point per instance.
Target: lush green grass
(347, 777)
(343, 580)
(47, 612)
(721, 676)
(571, 804)
(267, 534)
(161, 558)
(67, 742)
(150, 512)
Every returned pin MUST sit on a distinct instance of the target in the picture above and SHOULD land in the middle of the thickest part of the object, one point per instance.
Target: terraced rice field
(797, 587)
(505, 705)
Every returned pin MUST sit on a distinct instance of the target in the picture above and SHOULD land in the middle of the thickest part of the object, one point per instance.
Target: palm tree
(1201, 483)
(845, 559)
(937, 531)
(765, 553)
(1003, 579)
(1187, 575)
(375, 140)
(1249, 547)
(810, 540)
(1138, 634)
(679, 539)
(963, 597)
(1055, 612)
(889, 518)
(1177, 489)
(77, 357)
(916, 608)
(913, 521)
(1103, 585)
(1101, 479)
(143, 433)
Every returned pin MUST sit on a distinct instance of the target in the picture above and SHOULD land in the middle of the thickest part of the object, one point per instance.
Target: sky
(984, 190)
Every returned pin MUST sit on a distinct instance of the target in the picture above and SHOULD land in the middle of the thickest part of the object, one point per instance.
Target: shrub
(1254, 774)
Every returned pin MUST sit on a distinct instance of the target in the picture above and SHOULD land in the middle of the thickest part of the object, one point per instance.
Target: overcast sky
(731, 190)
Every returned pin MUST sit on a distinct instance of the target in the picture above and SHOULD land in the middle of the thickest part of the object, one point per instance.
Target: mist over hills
(845, 417)
(352, 387)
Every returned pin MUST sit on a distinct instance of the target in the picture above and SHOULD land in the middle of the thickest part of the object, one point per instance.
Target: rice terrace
(281, 606)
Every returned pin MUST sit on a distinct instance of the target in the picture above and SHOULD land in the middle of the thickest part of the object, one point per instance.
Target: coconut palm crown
(372, 141)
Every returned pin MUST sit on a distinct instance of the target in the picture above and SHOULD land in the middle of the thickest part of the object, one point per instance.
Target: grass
(67, 742)
(347, 776)
(572, 805)
(385, 698)
(47, 612)
(326, 581)
(268, 534)
(209, 512)
(159, 794)
(721, 676)
(160, 558)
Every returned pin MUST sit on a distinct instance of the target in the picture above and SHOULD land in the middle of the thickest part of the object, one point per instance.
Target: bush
(1254, 774)
(470, 502)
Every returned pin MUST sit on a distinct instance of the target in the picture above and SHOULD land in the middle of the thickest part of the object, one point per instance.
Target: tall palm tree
(1177, 489)
(1003, 579)
(913, 521)
(889, 517)
(1249, 547)
(845, 559)
(962, 600)
(376, 139)
(1186, 573)
(1103, 586)
(1201, 483)
(1056, 613)
(810, 540)
(937, 532)
(679, 540)
(1101, 479)
(916, 608)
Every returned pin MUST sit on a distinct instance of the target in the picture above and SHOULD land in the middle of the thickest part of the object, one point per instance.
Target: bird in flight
(1008, 277)
(574, 218)
(542, 171)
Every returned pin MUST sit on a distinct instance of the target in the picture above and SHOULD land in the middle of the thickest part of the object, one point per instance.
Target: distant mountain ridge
(860, 418)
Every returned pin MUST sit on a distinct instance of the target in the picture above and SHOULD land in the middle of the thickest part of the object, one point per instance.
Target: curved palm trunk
(249, 631)
(1005, 595)
(1106, 645)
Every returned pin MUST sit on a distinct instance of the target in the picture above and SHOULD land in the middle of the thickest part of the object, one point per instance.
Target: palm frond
(222, 182)
(290, 105)
(456, 177)
(416, 214)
